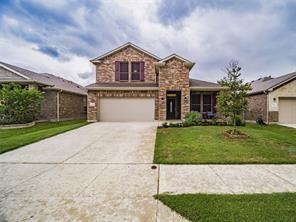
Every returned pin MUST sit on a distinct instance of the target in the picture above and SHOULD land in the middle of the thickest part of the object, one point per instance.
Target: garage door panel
(287, 110)
(126, 109)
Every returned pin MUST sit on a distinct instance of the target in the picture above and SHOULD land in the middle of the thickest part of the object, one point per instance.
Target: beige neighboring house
(133, 84)
(63, 99)
(273, 99)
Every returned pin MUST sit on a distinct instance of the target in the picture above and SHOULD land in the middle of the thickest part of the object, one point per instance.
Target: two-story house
(132, 84)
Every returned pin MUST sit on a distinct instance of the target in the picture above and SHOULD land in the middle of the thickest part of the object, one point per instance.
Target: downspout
(267, 108)
(58, 105)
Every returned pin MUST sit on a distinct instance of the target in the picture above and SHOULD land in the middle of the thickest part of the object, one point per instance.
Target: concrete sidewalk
(231, 179)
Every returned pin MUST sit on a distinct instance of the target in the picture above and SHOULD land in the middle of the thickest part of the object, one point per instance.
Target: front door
(171, 108)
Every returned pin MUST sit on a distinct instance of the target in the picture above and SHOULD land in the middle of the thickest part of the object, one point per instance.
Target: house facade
(63, 99)
(132, 84)
(273, 99)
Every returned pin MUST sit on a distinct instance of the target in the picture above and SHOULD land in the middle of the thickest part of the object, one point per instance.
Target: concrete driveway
(100, 172)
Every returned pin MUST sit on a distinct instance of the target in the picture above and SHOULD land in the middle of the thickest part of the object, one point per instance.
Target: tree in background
(232, 101)
(19, 104)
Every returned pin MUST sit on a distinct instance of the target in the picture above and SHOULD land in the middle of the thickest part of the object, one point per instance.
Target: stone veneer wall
(105, 71)
(72, 106)
(94, 98)
(174, 76)
(257, 106)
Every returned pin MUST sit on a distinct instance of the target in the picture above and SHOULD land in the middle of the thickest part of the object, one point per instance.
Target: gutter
(123, 88)
(54, 88)
(25, 81)
(205, 88)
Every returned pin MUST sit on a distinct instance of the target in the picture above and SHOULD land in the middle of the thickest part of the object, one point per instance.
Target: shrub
(18, 104)
(165, 125)
(193, 119)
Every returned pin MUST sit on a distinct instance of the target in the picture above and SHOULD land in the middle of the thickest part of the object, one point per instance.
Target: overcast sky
(60, 36)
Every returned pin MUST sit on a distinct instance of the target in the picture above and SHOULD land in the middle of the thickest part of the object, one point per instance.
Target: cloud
(51, 51)
(61, 36)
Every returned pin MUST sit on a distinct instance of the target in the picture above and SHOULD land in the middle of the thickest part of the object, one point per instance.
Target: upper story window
(135, 71)
(123, 71)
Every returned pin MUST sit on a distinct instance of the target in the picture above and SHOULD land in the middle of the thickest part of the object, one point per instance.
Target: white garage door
(287, 111)
(126, 109)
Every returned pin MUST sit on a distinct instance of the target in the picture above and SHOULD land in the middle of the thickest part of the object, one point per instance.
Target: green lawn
(13, 138)
(206, 144)
(246, 207)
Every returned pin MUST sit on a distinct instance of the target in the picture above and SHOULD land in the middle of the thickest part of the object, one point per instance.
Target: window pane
(123, 67)
(195, 99)
(123, 76)
(207, 99)
(135, 76)
(135, 71)
(207, 108)
(195, 108)
(135, 67)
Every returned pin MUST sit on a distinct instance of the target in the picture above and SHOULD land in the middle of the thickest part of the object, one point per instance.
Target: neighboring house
(63, 99)
(273, 99)
(132, 84)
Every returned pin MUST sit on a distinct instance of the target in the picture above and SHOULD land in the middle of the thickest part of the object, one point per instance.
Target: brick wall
(48, 106)
(273, 116)
(257, 106)
(72, 106)
(105, 71)
(94, 100)
(174, 76)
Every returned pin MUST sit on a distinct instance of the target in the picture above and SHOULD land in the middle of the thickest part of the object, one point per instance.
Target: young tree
(232, 101)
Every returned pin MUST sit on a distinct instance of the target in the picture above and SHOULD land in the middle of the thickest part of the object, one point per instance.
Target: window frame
(201, 100)
(120, 72)
(139, 71)
(207, 104)
(196, 104)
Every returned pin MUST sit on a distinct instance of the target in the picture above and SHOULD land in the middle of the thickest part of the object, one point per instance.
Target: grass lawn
(206, 144)
(246, 207)
(13, 138)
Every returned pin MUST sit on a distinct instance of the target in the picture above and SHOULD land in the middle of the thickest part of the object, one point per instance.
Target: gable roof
(97, 59)
(174, 55)
(268, 83)
(46, 79)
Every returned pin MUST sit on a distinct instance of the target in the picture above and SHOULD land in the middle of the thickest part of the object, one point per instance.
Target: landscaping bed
(207, 145)
(13, 138)
(245, 207)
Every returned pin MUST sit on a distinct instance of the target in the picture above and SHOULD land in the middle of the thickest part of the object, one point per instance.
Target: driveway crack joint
(221, 179)
(275, 174)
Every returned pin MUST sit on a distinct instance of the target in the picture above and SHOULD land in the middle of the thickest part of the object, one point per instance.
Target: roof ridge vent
(266, 78)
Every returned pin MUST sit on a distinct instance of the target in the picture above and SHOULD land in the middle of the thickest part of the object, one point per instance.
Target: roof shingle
(49, 79)
(264, 84)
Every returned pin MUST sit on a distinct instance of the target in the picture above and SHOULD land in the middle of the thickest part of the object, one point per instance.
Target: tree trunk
(234, 123)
